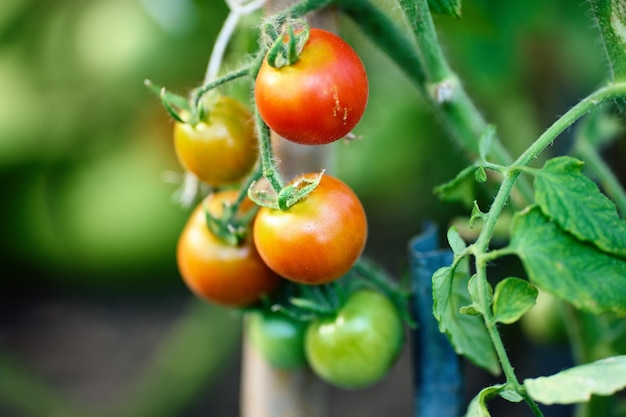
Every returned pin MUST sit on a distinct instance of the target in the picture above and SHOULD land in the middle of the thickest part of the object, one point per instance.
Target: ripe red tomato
(222, 148)
(358, 346)
(216, 271)
(318, 99)
(318, 239)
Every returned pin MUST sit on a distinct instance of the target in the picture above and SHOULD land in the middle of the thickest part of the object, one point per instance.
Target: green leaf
(476, 214)
(576, 203)
(477, 407)
(473, 291)
(460, 189)
(467, 333)
(446, 7)
(512, 299)
(455, 241)
(560, 264)
(511, 395)
(480, 175)
(578, 384)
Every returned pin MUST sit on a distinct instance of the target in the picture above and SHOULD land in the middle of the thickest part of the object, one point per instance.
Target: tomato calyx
(312, 302)
(286, 197)
(196, 107)
(232, 224)
(226, 227)
(286, 44)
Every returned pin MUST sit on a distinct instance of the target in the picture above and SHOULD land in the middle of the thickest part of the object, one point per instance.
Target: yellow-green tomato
(357, 347)
(222, 148)
(543, 323)
(278, 338)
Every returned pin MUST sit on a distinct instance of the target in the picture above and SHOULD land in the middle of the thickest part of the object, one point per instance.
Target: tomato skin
(318, 239)
(221, 149)
(543, 323)
(216, 271)
(356, 348)
(318, 99)
(278, 338)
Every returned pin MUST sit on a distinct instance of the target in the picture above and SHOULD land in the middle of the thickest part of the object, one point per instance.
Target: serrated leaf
(446, 7)
(513, 297)
(468, 334)
(478, 407)
(576, 203)
(578, 384)
(456, 242)
(558, 263)
(460, 189)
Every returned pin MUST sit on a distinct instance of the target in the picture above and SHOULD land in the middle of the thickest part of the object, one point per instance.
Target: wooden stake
(265, 391)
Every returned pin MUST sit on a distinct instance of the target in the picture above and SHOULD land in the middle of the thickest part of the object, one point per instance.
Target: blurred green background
(93, 314)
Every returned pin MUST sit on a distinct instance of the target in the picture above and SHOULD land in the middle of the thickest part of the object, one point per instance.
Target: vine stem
(481, 248)
(452, 104)
(609, 92)
(237, 10)
(510, 176)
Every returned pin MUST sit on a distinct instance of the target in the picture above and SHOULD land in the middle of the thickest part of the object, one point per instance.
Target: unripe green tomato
(543, 323)
(358, 346)
(279, 339)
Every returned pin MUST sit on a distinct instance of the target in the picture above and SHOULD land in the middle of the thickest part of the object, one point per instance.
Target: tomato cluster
(352, 348)
(306, 234)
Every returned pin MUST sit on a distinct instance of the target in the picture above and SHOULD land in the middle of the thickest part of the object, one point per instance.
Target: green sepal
(172, 102)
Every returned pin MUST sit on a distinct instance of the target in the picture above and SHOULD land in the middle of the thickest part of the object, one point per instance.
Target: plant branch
(429, 71)
(610, 92)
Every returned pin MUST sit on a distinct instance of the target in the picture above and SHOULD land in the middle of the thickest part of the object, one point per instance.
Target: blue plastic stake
(437, 375)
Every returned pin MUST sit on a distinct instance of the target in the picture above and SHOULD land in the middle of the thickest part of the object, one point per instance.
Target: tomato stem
(199, 92)
(429, 71)
(267, 154)
(382, 282)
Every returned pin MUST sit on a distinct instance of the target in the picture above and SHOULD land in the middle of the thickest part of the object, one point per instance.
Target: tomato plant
(318, 99)
(278, 338)
(318, 239)
(215, 270)
(221, 148)
(311, 88)
(356, 347)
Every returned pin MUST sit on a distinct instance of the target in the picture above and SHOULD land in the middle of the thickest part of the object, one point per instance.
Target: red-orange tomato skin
(320, 98)
(318, 239)
(233, 276)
